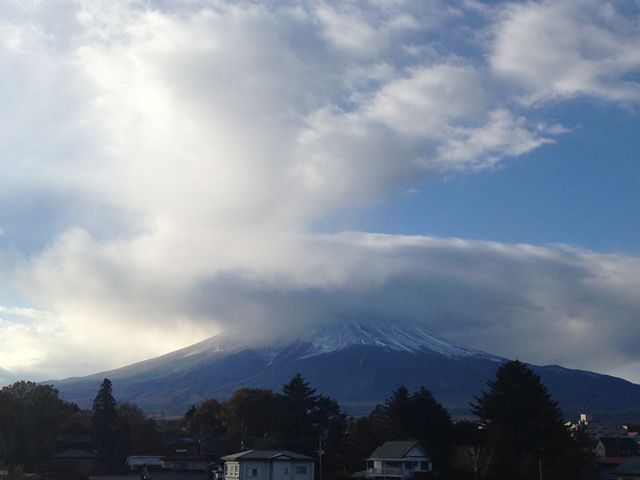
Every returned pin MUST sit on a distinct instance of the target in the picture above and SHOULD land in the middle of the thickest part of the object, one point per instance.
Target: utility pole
(540, 466)
(320, 452)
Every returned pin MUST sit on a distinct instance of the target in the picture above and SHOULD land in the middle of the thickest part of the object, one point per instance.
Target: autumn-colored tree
(252, 411)
(30, 415)
(207, 421)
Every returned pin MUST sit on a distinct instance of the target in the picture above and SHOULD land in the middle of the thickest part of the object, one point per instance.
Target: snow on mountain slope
(357, 363)
(385, 335)
(335, 337)
(322, 340)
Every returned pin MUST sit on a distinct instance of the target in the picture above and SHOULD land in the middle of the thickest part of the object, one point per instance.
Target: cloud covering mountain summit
(165, 166)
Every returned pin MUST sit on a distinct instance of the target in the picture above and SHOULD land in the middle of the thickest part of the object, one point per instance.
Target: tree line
(519, 432)
(36, 423)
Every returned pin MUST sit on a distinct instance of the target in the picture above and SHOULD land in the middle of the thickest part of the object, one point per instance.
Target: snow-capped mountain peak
(385, 335)
(332, 338)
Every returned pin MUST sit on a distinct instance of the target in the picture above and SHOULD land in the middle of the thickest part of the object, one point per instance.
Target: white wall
(284, 470)
(261, 470)
(231, 470)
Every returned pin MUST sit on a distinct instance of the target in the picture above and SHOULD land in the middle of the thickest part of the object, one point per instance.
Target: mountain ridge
(357, 363)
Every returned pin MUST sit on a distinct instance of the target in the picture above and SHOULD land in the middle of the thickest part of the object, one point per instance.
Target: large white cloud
(165, 162)
(558, 49)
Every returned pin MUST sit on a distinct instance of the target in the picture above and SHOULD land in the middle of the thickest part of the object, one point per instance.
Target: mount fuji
(357, 363)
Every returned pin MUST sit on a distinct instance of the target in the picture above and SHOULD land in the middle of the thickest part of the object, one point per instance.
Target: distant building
(73, 464)
(144, 462)
(185, 462)
(616, 447)
(598, 429)
(398, 460)
(268, 465)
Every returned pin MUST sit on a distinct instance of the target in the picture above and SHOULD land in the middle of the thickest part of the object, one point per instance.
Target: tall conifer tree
(524, 427)
(103, 417)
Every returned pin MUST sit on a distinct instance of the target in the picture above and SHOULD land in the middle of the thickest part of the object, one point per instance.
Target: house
(616, 447)
(268, 465)
(611, 452)
(398, 460)
(74, 436)
(629, 470)
(185, 462)
(155, 475)
(73, 464)
(144, 462)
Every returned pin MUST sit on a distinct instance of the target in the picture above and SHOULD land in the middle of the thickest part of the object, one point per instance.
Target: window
(253, 472)
(301, 469)
(408, 465)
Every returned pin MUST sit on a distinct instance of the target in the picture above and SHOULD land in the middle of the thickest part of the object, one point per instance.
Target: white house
(268, 465)
(398, 460)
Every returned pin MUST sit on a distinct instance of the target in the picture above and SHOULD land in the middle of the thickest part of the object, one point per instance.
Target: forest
(517, 427)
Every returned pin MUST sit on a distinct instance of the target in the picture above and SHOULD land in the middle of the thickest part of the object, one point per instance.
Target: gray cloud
(542, 304)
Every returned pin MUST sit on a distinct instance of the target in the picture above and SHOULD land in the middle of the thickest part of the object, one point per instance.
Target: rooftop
(396, 449)
(265, 455)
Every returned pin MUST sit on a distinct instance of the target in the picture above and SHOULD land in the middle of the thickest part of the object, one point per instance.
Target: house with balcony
(268, 465)
(398, 460)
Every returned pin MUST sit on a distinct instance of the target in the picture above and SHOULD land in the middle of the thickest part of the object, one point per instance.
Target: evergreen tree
(297, 405)
(416, 417)
(363, 437)
(431, 426)
(398, 414)
(332, 427)
(524, 427)
(306, 418)
(103, 417)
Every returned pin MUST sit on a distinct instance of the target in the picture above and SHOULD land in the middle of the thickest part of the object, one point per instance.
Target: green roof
(395, 449)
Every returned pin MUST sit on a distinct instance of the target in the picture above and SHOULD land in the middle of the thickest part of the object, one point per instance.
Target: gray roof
(265, 455)
(395, 449)
(155, 475)
(74, 454)
(631, 466)
(140, 460)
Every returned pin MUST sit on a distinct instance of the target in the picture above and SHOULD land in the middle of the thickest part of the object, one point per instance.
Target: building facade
(398, 460)
(268, 465)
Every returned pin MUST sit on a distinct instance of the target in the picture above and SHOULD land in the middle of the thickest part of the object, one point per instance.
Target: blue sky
(175, 169)
(583, 190)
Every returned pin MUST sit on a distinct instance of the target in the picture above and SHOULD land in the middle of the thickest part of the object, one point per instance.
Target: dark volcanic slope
(356, 364)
